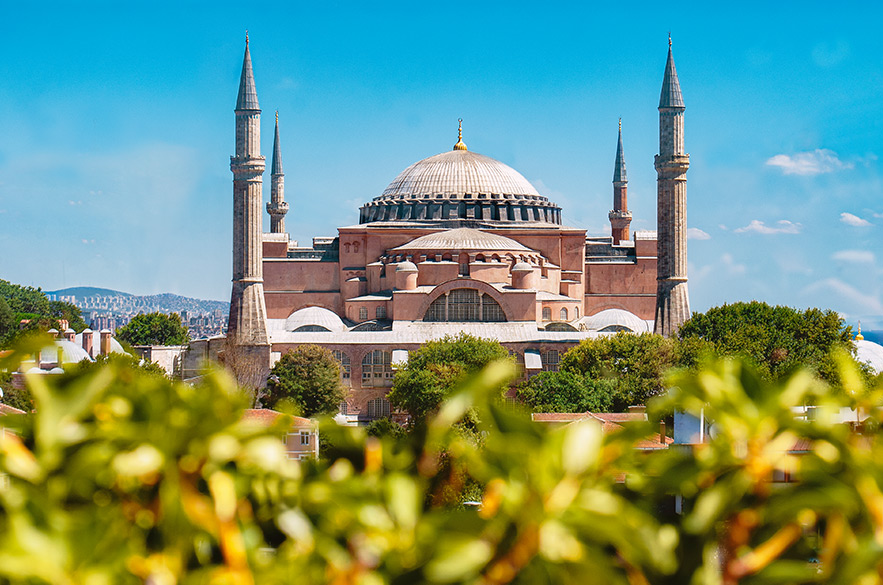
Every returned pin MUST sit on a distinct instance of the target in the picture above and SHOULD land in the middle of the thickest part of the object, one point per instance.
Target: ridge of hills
(103, 300)
(88, 291)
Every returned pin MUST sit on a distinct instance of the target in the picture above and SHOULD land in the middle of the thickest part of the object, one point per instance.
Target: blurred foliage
(126, 477)
(306, 382)
(565, 391)
(154, 329)
(437, 368)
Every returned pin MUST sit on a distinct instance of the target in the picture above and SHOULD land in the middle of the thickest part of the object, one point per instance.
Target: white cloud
(723, 227)
(856, 256)
(854, 220)
(783, 226)
(697, 234)
(815, 162)
(868, 303)
(733, 268)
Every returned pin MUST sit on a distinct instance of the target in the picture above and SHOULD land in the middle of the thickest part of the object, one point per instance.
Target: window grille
(377, 369)
(345, 366)
(464, 305)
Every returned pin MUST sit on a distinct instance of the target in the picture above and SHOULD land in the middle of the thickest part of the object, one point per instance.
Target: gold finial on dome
(460, 144)
(246, 37)
(859, 336)
(277, 117)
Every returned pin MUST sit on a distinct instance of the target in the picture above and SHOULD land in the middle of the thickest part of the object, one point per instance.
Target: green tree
(634, 365)
(565, 391)
(307, 378)
(154, 329)
(439, 366)
(384, 427)
(774, 340)
(8, 322)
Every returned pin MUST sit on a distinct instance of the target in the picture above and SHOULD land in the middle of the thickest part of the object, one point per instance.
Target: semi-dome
(462, 239)
(461, 186)
(314, 319)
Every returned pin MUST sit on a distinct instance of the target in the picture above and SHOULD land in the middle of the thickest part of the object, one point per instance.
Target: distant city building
(458, 242)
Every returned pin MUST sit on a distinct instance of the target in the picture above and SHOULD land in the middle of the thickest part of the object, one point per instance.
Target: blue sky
(117, 126)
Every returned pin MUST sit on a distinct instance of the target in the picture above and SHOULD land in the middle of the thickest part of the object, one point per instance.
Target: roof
(266, 416)
(419, 332)
(610, 422)
(6, 409)
(464, 239)
(458, 172)
(248, 94)
(670, 97)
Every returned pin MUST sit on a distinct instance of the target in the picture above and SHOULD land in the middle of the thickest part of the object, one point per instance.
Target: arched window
(465, 304)
(547, 314)
(344, 360)
(550, 360)
(381, 312)
(576, 310)
(363, 313)
(564, 313)
(377, 369)
(378, 408)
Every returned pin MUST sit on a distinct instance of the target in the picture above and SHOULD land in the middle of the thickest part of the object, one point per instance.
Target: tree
(634, 365)
(439, 366)
(774, 340)
(565, 391)
(154, 329)
(8, 322)
(307, 378)
(384, 427)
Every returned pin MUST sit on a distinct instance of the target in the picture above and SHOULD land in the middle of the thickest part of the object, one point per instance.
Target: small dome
(616, 320)
(406, 267)
(522, 267)
(71, 353)
(314, 319)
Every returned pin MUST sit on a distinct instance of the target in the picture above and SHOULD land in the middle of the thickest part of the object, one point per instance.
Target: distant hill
(87, 291)
(114, 302)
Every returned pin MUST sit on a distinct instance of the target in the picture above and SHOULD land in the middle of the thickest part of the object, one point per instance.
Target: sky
(116, 127)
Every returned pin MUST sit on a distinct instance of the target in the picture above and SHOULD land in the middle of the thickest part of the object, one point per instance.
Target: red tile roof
(6, 409)
(267, 416)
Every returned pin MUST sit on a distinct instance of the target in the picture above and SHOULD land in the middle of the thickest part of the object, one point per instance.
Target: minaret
(620, 217)
(672, 299)
(247, 329)
(277, 207)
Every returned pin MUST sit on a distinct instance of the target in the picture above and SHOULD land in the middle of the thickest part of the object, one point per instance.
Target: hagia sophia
(457, 242)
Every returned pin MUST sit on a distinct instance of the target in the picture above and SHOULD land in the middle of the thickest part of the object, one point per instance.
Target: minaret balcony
(277, 207)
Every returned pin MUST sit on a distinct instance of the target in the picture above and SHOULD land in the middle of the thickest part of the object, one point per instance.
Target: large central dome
(458, 172)
(460, 187)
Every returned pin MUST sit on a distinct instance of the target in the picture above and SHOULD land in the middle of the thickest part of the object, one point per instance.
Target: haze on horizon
(119, 126)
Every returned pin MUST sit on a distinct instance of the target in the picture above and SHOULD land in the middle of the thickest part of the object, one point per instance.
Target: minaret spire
(247, 340)
(620, 217)
(672, 298)
(277, 207)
